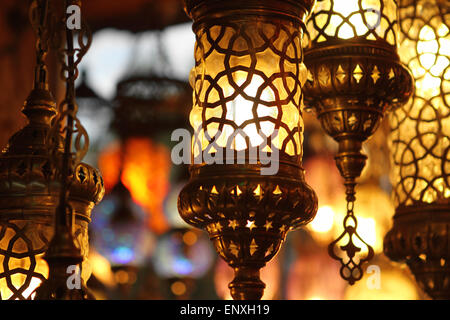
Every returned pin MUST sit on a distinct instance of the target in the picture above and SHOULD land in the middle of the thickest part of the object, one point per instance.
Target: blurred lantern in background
(354, 76)
(138, 170)
(120, 227)
(374, 204)
(420, 146)
(96, 115)
(312, 275)
(145, 173)
(324, 178)
(149, 109)
(181, 256)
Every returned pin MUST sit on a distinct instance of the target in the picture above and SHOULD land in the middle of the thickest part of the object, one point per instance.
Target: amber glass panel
(247, 87)
(346, 19)
(420, 138)
(22, 246)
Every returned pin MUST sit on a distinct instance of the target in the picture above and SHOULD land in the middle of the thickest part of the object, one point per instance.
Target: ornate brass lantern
(354, 77)
(420, 144)
(247, 82)
(30, 189)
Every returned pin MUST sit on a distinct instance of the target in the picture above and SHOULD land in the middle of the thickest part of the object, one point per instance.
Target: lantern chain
(66, 123)
(351, 267)
(38, 13)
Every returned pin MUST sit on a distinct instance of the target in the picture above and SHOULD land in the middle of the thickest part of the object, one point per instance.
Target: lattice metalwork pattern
(247, 84)
(22, 246)
(28, 194)
(420, 138)
(345, 19)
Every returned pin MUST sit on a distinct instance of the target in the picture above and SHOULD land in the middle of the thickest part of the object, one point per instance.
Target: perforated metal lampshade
(420, 149)
(247, 100)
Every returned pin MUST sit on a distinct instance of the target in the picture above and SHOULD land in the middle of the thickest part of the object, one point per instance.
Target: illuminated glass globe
(120, 231)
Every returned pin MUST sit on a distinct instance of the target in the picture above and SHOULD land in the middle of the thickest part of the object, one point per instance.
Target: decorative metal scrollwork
(68, 108)
(351, 265)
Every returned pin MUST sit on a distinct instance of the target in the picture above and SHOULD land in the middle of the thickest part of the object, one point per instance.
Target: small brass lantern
(30, 190)
(354, 77)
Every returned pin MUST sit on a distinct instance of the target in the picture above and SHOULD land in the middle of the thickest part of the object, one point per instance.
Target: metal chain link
(351, 269)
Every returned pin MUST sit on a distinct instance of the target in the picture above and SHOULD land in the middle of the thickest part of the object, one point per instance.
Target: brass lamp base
(247, 218)
(420, 237)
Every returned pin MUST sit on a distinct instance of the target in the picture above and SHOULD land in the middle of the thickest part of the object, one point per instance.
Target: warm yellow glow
(394, 285)
(367, 230)
(434, 56)
(101, 268)
(14, 244)
(323, 222)
(354, 18)
(240, 110)
(373, 209)
(242, 96)
(178, 288)
(190, 238)
(315, 298)
(420, 131)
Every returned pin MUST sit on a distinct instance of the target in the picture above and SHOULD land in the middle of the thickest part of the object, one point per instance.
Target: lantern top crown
(369, 22)
(27, 166)
(39, 108)
(296, 10)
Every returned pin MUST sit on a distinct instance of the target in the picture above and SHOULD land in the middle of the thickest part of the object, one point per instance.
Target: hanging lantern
(354, 77)
(247, 124)
(120, 224)
(29, 188)
(420, 144)
(68, 143)
(150, 106)
(121, 232)
(182, 257)
(96, 114)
